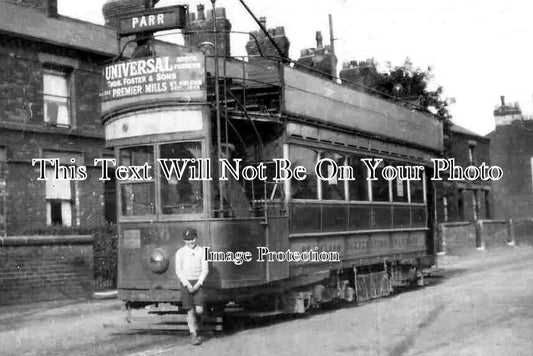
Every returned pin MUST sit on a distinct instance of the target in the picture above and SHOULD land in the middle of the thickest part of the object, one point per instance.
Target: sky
(477, 50)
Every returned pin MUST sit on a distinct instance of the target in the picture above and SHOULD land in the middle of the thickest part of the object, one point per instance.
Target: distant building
(511, 148)
(464, 200)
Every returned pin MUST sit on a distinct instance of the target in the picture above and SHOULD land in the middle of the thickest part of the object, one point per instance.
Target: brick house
(50, 109)
(464, 200)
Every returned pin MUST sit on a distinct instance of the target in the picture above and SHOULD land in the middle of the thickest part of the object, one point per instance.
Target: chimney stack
(318, 40)
(506, 114)
(201, 27)
(114, 9)
(52, 8)
(264, 46)
(200, 12)
(49, 7)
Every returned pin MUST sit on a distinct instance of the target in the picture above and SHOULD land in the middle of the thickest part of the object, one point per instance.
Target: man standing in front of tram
(192, 269)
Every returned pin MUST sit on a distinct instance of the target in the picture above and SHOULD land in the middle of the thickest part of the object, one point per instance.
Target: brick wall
(39, 268)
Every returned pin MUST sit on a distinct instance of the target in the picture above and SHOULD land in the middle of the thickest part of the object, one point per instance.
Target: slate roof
(459, 129)
(63, 31)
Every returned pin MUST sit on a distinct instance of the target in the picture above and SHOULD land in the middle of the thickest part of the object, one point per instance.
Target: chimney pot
(502, 98)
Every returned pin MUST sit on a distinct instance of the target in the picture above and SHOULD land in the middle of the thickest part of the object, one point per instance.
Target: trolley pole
(217, 109)
(332, 44)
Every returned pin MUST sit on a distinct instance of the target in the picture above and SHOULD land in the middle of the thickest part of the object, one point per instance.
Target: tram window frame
(324, 184)
(122, 184)
(412, 191)
(405, 198)
(380, 178)
(360, 178)
(201, 197)
(310, 172)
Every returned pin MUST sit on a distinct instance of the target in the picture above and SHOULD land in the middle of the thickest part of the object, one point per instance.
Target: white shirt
(191, 265)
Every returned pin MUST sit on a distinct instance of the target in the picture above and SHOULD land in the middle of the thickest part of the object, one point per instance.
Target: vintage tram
(267, 110)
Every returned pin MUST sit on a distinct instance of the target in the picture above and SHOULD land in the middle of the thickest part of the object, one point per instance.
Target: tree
(405, 84)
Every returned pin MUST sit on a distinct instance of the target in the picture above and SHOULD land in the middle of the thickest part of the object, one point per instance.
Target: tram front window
(184, 195)
(137, 197)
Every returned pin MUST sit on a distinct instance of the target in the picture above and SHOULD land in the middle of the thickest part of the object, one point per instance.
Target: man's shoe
(195, 339)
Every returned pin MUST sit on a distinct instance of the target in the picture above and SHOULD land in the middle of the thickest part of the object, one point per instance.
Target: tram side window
(417, 189)
(399, 187)
(137, 197)
(306, 188)
(380, 186)
(358, 188)
(332, 189)
(184, 195)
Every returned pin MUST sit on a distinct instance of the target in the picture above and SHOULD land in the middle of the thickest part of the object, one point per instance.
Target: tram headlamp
(158, 261)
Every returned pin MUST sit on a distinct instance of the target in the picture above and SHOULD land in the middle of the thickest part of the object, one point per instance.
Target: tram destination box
(153, 79)
(166, 18)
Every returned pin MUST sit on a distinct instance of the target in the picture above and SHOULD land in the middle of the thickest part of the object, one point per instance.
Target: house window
(472, 152)
(56, 96)
(59, 200)
(61, 204)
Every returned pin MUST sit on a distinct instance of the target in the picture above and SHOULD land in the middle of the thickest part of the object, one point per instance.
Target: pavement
(476, 305)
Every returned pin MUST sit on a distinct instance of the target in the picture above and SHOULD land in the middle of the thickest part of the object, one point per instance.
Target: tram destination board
(165, 18)
(166, 77)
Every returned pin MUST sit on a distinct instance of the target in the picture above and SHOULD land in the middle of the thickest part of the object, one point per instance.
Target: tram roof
(332, 103)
